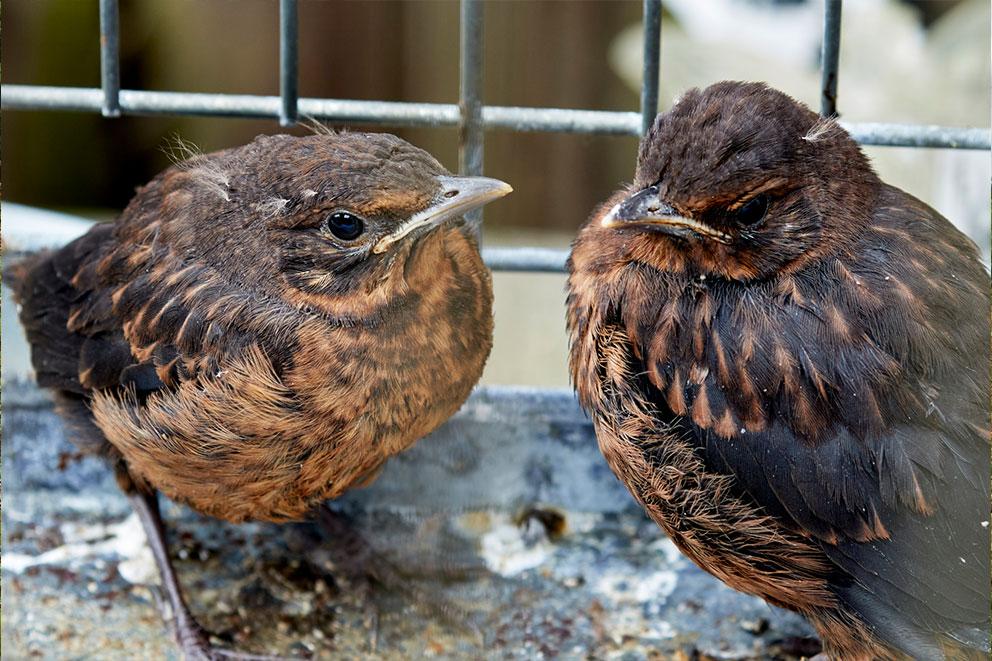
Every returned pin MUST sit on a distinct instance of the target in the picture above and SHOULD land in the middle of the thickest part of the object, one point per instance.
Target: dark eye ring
(753, 212)
(345, 225)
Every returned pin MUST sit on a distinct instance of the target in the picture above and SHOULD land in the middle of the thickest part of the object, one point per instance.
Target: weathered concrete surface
(478, 578)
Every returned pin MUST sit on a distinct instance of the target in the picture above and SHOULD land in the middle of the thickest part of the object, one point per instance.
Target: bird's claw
(202, 650)
(194, 642)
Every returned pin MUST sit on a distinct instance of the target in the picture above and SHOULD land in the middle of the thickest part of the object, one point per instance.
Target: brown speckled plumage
(796, 389)
(223, 343)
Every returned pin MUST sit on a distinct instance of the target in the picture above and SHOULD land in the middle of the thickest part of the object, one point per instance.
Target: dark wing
(922, 574)
(44, 288)
(876, 443)
(129, 305)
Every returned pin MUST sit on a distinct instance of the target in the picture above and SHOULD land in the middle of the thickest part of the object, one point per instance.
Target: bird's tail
(15, 273)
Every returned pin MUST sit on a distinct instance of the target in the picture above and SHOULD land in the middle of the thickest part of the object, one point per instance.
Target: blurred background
(901, 61)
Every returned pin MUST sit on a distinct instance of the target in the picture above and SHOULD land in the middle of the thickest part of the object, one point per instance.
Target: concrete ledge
(479, 577)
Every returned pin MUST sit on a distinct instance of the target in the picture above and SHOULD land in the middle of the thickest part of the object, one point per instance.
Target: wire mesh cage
(508, 463)
(471, 116)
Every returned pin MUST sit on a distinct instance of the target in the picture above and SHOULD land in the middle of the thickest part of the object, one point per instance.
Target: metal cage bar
(393, 113)
(288, 62)
(652, 57)
(470, 116)
(110, 61)
(470, 129)
(830, 57)
(534, 260)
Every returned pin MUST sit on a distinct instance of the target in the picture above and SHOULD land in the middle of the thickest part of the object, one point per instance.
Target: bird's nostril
(451, 193)
(653, 208)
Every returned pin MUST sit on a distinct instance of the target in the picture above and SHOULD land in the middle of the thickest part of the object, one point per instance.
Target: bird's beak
(457, 196)
(646, 209)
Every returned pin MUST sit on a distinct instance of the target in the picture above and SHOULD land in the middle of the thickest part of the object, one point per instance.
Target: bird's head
(346, 219)
(740, 181)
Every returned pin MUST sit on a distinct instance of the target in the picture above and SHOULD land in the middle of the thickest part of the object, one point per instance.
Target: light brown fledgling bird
(264, 326)
(787, 362)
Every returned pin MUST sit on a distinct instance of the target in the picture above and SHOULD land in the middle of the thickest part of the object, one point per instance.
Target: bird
(786, 361)
(263, 327)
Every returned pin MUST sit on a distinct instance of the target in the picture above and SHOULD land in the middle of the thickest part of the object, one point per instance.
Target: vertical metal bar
(652, 55)
(830, 57)
(470, 95)
(110, 75)
(288, 62)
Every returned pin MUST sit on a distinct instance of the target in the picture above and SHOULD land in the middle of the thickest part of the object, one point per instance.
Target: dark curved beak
(456, 197)
(646, 209)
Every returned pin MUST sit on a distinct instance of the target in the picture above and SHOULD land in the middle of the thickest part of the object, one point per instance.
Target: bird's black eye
(753, 212)
(345, 226)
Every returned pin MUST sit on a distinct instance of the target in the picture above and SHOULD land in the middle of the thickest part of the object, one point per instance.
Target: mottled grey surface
(474, 575)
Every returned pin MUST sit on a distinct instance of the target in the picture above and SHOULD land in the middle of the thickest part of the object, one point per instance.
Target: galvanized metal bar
(144, 102)
(830, 56)
(110, 75)
(288, 62)
(388, 113)
(883, 134)
(652, 55)
(534, 260)
(470, 88)
(470, 131)
(561, 120)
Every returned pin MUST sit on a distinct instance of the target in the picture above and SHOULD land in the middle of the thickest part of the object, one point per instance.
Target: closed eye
(752, 212)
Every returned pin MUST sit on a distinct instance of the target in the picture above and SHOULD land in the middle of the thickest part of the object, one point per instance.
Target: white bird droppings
(126, 540)
(506, 552)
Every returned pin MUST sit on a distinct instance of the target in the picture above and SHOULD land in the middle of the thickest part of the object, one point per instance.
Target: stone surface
(504, 535)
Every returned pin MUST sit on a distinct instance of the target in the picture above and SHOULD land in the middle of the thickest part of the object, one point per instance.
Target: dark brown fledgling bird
(787, 362)
(264, 326)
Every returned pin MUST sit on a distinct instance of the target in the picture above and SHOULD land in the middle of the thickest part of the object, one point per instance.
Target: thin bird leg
(192, 638)
(355, 556)
(803, 647)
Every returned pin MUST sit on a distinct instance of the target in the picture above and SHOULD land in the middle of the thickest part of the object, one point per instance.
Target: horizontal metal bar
(144, 102)
(544, 260)
(918, 135)
(561, 120)
(390, 113)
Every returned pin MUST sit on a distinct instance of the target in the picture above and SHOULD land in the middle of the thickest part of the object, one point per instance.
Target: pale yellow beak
(458, 196)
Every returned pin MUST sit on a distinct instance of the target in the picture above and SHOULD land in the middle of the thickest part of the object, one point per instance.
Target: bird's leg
(189, 634)
(192, 638)
(355, 556)
(803, 647)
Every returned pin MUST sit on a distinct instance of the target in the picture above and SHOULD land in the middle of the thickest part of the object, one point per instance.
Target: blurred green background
(918, 62)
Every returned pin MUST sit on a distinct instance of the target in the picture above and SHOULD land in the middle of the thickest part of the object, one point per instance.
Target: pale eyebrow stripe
(768, 185)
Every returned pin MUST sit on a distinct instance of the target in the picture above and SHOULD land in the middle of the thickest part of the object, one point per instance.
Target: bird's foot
(193, 640)
(802, 647)
(194, 643)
